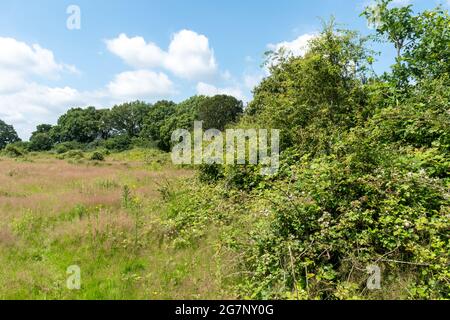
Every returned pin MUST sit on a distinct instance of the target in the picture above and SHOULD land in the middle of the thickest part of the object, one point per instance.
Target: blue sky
(149, 50)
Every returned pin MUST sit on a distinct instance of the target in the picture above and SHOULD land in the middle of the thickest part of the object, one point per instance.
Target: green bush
(41, 142)
(210, 173)
(60, 149)
(67, 146)
(14, 151)
(73, 154)
(118, 143)
(97, 156)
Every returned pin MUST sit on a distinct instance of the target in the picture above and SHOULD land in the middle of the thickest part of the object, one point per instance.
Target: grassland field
(104, 217)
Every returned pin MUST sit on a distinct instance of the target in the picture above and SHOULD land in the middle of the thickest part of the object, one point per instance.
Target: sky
(57, 54)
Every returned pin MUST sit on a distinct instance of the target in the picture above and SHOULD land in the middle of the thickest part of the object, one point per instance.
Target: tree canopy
(7, 134)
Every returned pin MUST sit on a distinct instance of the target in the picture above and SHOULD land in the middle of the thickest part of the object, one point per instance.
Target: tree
(183, 118)
(41, 139)
(421, 40)
(314, 97)
(155, 118)
(396, 24)
(7, 134)
(40, 142)
(128, 118)
(105, 124)
(42, 128)
(216, 112)
(81, 125)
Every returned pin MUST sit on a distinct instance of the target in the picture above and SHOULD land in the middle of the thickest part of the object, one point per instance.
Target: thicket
(364, 176)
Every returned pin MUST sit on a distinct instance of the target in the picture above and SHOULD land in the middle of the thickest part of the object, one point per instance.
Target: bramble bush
(363, 179)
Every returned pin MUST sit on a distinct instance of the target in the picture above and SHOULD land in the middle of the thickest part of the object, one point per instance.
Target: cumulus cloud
(136, 52)
(211, 90)
(189, 54)
(140, 84)
(24, 60)
(297, 47)
(24, 102)
(35, 104)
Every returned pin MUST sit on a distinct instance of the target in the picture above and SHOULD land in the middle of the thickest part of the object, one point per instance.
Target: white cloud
(189, 55)
(140, 84)
(211, 90)
(27, 60)
(11, 81)
(297, 47)
(35, 104)
(23, 102)
(136, 52)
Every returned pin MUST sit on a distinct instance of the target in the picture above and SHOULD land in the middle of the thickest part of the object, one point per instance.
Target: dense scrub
(364, 177)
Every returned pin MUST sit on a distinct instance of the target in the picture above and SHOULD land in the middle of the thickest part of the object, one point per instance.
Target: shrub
(14, 151)
(60, 149)
(140, 142)
(118, 143)
(74, 154)
(97, 156)
(41, 142)
(67, 146)
(210, 172)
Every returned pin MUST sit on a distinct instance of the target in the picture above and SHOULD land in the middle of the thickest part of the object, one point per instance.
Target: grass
(104, 217)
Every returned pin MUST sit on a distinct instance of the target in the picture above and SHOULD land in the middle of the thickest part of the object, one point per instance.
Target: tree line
(127, 124)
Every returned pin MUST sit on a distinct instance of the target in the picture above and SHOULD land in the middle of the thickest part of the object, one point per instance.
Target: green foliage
(188, 214)
(118, 143)
(218, 111)
(41, 142)
(97, 156)
(73, 154)
(14, 151)
(61, 148)
(128, 118)
(210, 173)
(155, 118)
(7, 134)
(183, 118)
(315, 97)
(42, 138)
(80, 125)
(42, 128)
(328, 206)
(421, 40)
(363, 178)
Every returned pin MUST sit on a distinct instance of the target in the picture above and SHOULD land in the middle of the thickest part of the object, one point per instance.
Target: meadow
(104, 217)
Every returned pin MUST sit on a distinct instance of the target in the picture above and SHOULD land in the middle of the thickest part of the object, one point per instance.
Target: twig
(406, 262)
(293, 272)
